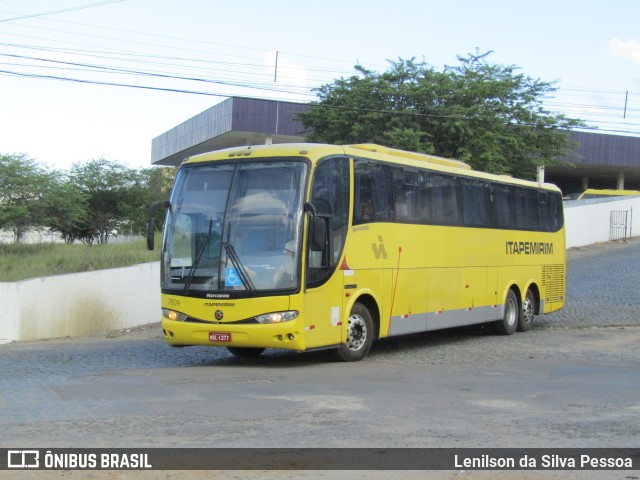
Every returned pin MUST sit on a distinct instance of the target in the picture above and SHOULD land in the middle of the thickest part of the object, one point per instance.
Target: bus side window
(405, 187)
(424, 204)
(444, 199)
(363, 210)
(550, 211)
(373, 192)
(554, 213)
(502, 206)
(475, 201)
(526, 205)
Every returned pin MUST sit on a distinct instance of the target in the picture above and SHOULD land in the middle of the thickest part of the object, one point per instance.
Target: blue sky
(591, 48)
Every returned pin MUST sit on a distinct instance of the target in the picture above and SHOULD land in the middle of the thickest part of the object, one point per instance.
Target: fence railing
(618, 225)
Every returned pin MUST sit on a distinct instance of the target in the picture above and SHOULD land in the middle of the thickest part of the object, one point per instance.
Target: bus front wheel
(359, 335)
(511, 316)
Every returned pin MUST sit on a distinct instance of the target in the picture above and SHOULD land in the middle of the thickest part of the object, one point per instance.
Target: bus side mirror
(151, 224)
(318, 234)
(151, 228)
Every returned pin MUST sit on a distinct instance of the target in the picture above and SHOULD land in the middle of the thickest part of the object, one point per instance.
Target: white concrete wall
(80, 304)
(588, 221)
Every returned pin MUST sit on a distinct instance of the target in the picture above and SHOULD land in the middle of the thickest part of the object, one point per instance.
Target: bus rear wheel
(527, 315)
(359, 335)
(246, 352)
(509, 323)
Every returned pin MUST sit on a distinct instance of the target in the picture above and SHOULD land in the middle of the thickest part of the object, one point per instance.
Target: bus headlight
(277, 317)
(173, 315)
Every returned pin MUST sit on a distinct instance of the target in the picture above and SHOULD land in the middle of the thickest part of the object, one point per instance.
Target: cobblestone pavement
(573, 381)
(603, 287)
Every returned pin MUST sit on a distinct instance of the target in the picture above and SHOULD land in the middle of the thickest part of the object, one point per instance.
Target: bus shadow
(426, 340)
(272, 358)
(220, 357)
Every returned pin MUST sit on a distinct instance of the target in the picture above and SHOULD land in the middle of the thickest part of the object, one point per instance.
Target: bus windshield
(235, 228)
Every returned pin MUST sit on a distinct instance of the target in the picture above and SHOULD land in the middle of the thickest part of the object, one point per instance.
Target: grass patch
(20, 262)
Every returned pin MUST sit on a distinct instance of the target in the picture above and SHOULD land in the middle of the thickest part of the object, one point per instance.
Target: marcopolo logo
(23, 459)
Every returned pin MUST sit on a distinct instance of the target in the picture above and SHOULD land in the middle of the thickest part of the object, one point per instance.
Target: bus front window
(235, 228)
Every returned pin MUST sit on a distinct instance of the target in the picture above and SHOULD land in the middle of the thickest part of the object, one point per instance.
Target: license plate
(219, 337)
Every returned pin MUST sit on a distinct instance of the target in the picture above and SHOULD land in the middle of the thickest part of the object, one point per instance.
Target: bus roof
(374, 151)
(372, 147)
(608, 192)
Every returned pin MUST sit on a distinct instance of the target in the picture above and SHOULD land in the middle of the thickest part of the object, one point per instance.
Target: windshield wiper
(237, 264)
(192, 271)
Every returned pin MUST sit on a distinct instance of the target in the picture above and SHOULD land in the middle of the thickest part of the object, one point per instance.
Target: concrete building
(234, 122)
(599, 160)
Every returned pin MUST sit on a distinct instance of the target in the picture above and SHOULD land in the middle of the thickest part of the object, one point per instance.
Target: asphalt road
(573, 381)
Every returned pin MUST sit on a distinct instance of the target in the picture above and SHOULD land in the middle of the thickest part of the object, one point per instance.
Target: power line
(201, 42)
(307, 67)
(149, 87)
(139, 58)
(181, 39)
(88, 68)
(65, 10)
(216, 94)
(113, 84)
(252, 74)
(172, 46)
(92, 68)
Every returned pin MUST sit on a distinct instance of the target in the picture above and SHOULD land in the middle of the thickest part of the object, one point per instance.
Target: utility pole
(275, 73)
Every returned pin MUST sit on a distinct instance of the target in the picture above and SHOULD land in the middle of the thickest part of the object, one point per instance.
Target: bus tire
(527, 315)
(360, 333)
(246, 352)
(509, 323)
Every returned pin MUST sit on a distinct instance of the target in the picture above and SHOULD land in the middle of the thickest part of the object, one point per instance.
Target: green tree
(149, 185)
(23, 187)
(159, 182)
(117, 196)
(110, 188)
(67, 210)
(488, 115)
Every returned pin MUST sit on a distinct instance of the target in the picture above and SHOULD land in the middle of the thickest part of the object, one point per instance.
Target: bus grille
(553, 282)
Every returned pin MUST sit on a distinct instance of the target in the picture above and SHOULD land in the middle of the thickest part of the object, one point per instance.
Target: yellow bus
(601, 193)
(305, 246)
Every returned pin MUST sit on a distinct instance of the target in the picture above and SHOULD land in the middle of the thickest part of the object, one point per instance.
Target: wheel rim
(527, 310)
(510, 313)
(356, 333)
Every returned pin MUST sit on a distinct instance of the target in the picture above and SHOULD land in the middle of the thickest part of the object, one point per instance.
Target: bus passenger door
(330, 193)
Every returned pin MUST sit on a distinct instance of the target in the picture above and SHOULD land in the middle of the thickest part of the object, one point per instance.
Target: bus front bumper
(287, 335)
